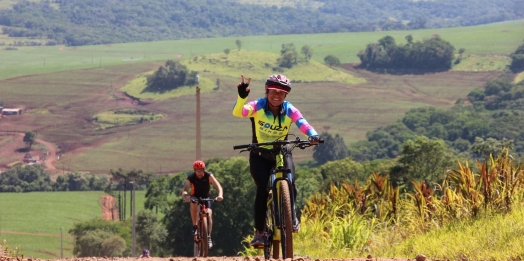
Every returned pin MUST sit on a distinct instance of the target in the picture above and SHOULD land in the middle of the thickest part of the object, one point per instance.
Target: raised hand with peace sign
(243, 89)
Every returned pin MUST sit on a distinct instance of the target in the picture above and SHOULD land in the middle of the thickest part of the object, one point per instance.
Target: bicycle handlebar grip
(236, 147)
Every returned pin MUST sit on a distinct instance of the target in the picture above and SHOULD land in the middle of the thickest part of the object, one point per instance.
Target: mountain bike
(201, 245)
(278, 226)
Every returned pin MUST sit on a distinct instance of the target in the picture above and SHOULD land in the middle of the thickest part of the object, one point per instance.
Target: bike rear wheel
(286, 233)
(271, 247)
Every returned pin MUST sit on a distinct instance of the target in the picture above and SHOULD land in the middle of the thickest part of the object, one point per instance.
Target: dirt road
(213, 258)
(52, 157)
(15, 150)
(109, 210)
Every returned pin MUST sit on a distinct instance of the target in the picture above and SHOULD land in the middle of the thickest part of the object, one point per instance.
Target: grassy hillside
(63, 88)
(499, 38)
(33, 221)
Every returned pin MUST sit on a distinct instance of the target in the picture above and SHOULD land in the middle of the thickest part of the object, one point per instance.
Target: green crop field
(38, 222)
(498, 38)
(62, 88)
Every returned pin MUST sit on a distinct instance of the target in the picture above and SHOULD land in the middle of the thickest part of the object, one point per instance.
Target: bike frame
(276, 201)
(201, 240)
(202, 213)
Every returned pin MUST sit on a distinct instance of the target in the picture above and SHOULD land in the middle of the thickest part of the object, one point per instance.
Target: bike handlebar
(300, 143)
(200, 200)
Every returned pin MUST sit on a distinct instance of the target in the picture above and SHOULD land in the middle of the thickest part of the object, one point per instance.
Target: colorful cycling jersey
(200, 187)
(267, 127)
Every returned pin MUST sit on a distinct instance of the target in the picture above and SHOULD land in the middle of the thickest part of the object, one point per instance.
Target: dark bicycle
(201, 245)
(280, 203)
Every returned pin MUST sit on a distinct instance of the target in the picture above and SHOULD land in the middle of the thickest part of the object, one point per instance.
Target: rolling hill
(62, 88)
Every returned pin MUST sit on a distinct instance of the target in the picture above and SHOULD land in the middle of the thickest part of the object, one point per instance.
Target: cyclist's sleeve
(242, 110)
(299, 120)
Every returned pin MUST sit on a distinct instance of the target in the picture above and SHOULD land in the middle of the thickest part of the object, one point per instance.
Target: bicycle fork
(275, 178)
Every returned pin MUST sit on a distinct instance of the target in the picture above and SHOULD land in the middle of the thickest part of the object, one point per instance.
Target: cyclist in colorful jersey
(199, 182)
(271, 118)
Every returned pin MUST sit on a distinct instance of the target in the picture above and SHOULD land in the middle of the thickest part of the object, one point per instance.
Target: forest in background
(89, 22)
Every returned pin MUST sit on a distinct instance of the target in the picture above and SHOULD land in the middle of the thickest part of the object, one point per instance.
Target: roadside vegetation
(474, 214)
(441, 220)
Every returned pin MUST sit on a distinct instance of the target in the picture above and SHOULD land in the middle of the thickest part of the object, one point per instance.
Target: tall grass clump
(491, 236)
(471, 215)
(8, 251)
(334, 235)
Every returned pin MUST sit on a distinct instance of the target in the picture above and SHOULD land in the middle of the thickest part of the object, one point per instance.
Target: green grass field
(36, 223)
(498, 38)
(479, 63)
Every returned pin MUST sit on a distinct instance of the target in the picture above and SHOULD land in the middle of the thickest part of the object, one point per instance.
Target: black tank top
(200, 187)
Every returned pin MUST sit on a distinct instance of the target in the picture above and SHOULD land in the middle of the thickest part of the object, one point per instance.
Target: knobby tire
(271, 247)
(196, 248)
(286, 237)
(204, 244)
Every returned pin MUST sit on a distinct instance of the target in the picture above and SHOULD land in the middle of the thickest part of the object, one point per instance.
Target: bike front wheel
(196, 249)
(286, 222)
(271, 246)
(204, 236)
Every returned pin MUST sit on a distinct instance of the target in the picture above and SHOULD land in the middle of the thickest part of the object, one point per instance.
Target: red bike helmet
(199, 165)
(278, 82)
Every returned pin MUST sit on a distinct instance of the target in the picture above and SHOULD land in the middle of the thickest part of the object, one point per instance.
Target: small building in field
(11, 111)
(28, 158)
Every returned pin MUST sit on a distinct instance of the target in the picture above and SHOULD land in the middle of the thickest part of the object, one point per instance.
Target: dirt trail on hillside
(109, 210)
(9, 149)
(51, 158)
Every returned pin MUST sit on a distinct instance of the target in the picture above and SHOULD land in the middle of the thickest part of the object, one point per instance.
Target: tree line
(30, 178)
(170, 76)
(433, 54)
(517, 60)
(497, 113)
(89, 22)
